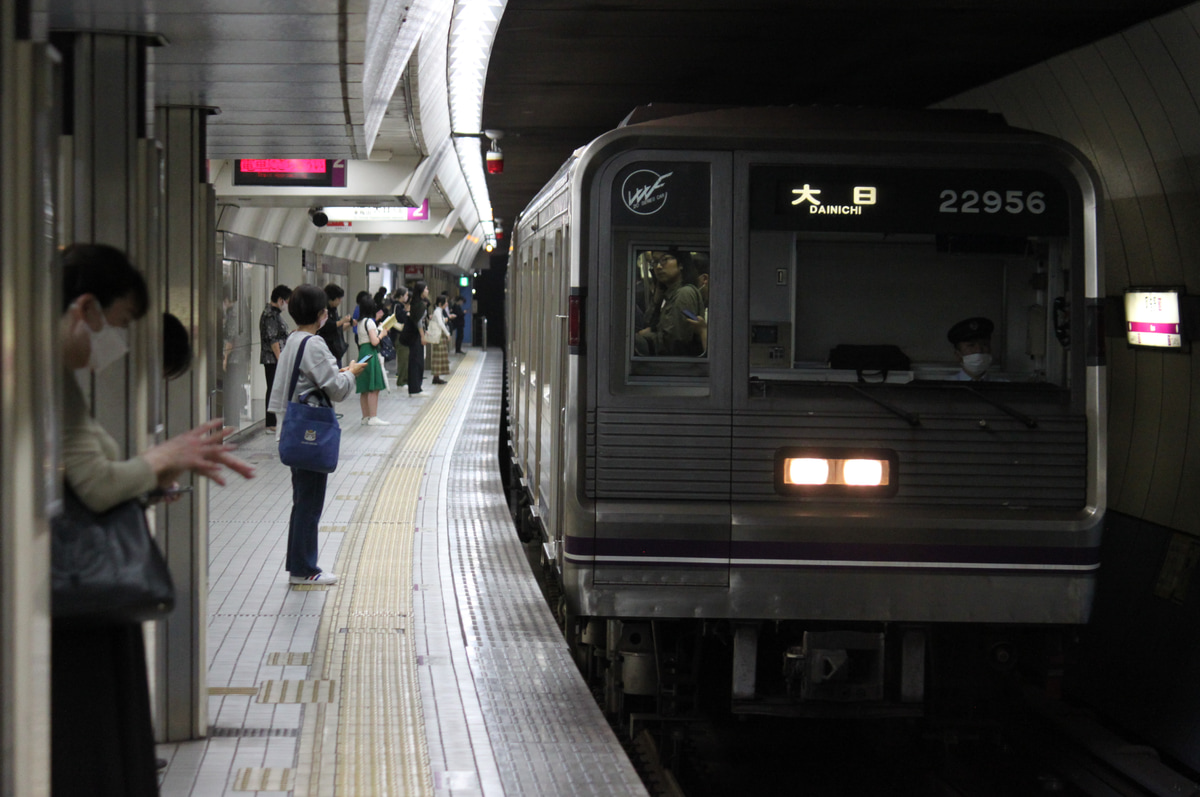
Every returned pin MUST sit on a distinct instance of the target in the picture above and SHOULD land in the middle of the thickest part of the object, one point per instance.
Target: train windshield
(880, 275)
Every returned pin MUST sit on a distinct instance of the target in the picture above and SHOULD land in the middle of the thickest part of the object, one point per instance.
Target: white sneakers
(377, 421)
(326, 579)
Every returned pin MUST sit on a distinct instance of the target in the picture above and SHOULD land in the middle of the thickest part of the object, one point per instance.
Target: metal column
(109, 187)
(28, 407)
(191, 291)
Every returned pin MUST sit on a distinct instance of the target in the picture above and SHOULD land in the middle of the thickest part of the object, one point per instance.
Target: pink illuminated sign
(284, 166)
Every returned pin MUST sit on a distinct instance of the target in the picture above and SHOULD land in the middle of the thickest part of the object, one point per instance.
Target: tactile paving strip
(363, 639)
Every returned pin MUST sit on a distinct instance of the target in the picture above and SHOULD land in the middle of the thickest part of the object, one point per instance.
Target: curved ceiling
(564, 71)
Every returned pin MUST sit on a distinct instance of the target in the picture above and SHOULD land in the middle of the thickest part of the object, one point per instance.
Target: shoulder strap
(296, 369)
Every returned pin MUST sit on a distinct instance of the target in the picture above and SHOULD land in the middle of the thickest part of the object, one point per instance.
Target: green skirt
(371, 379)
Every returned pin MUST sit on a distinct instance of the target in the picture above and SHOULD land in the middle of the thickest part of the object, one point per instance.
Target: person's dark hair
(177, 348)
(441, 300)
(106, 273)
(358, 297)
(419, 287)
(401, 292)
(306, 304)
(281, 292)
(334, 291)
(366, 305)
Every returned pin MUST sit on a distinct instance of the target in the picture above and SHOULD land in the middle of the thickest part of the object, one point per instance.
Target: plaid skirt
(439, 358)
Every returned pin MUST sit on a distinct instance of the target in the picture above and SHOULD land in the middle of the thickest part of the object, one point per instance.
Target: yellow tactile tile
(263, 779)
(372, 740)
(319, 690)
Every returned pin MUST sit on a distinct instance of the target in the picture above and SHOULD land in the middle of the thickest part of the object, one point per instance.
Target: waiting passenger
(332, 330)
(675, 301)
(319, 373)
(102, 740)
(972, 342)
(273, 332)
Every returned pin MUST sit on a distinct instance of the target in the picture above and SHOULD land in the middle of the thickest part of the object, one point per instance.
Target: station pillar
(109, 193)
(190, 291)
(28, 404)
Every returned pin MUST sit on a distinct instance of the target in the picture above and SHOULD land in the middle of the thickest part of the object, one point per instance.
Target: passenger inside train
(671, 301)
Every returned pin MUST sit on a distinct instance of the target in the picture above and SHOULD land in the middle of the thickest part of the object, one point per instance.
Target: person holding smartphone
(102, 740)
(372, 379)
(320, 381)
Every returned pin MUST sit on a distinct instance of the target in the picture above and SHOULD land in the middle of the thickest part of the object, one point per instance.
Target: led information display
(869, 199)
(1152, 318)
(297, 172)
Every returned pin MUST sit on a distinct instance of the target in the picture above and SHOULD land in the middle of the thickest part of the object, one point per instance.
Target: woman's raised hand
(202, 450)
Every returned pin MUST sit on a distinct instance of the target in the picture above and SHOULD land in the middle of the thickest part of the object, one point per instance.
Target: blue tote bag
(310, 436)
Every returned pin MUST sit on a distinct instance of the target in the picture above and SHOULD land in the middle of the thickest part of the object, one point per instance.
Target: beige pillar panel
(29, 408)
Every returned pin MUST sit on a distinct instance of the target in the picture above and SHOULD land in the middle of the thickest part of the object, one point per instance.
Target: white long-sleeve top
(317, 369)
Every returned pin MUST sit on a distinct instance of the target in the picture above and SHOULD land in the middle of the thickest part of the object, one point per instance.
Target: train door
(549, 345)
(659, 436)
(558, 402)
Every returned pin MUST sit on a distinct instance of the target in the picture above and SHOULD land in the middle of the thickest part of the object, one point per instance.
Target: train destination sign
(294, 172)
(865, 199)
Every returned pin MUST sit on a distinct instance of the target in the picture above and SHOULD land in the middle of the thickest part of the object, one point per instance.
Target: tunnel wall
(1131, 104)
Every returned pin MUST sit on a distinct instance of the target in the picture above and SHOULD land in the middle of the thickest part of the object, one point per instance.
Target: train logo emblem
(310, 435)
(645, 192)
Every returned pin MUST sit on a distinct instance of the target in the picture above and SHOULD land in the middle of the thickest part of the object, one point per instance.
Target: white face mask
(108, 345)
(976, 364)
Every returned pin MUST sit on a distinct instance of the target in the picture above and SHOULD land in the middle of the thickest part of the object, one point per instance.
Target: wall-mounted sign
(1152, 318)
(414, 271)
(290, 172)
(378, 213)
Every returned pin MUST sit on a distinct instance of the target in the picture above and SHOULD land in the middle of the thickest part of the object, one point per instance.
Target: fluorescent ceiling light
(472, 32)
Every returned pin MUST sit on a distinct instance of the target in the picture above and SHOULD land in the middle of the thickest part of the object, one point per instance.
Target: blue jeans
(308, 499)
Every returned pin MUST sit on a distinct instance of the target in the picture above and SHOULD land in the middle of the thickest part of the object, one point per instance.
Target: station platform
(433, 667)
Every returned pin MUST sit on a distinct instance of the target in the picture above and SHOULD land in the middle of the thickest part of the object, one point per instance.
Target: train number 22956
(1013, 202)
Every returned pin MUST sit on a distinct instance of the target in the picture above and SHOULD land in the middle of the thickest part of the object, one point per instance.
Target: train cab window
(885, 308)
(670, 296)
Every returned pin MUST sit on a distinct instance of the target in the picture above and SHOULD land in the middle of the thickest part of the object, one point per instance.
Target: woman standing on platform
(102, 741)
(397, 332)
(371, 380)
(319, 372)
(439, 342)
(415, 336)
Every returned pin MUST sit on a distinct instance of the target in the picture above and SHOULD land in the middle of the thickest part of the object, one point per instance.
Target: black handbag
(106, 568)
(873, 360)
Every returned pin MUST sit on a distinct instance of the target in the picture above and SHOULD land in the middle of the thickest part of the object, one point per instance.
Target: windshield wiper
(911, 418)
(1025, 419)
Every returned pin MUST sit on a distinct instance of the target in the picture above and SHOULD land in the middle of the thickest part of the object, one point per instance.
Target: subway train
(738, 428)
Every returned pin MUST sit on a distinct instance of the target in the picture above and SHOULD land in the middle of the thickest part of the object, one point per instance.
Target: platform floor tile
(436, 665)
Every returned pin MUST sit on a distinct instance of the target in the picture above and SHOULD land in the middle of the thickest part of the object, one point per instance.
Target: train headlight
(834, 473)
(805, 470)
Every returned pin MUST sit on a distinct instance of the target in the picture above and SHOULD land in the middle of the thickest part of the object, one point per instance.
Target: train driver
(674, 303)
(972, 342)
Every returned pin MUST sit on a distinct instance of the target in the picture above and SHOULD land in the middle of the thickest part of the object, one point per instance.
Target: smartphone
(364, 359)
(691, 315)
(167, 492)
